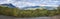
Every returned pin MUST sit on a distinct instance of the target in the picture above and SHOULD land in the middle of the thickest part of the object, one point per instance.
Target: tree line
(27, 13)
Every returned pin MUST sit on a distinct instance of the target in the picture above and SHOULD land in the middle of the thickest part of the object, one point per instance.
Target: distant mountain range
(34, 7)
(8, 5)
(43, 7)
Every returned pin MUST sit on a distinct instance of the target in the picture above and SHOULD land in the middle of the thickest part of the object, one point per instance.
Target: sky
(25, 3)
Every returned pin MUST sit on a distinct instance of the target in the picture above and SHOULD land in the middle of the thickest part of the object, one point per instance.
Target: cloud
(17, 3)
(5, 1)
(25, 3)
(50, 5)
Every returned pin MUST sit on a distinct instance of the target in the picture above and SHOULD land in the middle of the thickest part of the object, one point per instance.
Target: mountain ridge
(8, 5)
(46, 7)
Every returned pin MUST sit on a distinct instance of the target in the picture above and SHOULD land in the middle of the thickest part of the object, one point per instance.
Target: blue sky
(25, 3)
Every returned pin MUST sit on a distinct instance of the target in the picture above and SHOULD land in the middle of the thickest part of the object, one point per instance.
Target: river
(10, 17)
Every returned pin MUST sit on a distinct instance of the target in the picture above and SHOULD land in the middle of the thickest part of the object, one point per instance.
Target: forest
(27, 13)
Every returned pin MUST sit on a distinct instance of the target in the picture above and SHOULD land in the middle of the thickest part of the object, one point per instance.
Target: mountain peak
(8, 5)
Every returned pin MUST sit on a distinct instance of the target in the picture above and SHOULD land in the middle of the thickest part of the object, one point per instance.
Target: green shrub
(27, 13)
